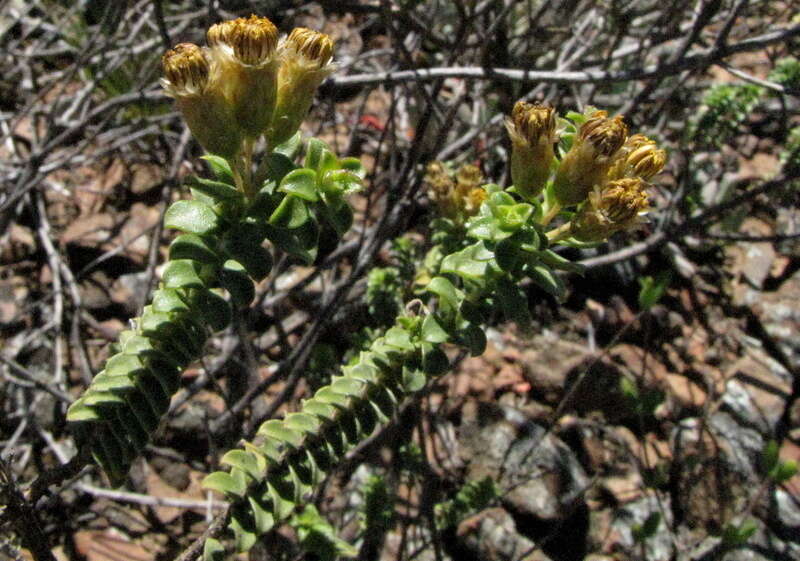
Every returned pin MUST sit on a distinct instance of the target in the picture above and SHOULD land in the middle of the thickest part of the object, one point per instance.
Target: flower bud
(305, 57)
(589, 159)
(187, 78)
(618, 205)
(639, 157)
(532, 129)
(246, 69)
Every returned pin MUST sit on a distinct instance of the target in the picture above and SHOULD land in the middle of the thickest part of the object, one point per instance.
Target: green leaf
(315, 153)
(192, 246)
(291, 213)
(213, 309)
(244, 461)
(235, 280)
(213, 550)
(449, 295)
(347, 386)
(220, 168)
(784, 471)
(243, 532)
(181, 273)
(168, 300)
(192, 217)
(546, 279)
(556, 261)
(79, 411)
(340, 219)
(652, 289)
(224, 483)
(413, 379)
(243, 243)
(321, 409)
(342, 181)
(278, 165)
(217, 190)
(289, 147)
(432, 332)
(303, 422)
(302, 183)
(354, 166)
(513, 217)
(399, 338)
(262, 517)
(470, 263)
(277, 430)
(327, 395)
(301, 242)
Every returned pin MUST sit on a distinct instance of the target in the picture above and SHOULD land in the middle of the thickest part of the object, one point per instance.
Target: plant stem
(560, 233)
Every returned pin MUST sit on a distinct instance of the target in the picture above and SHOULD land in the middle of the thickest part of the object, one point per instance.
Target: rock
(757, 390)
(715, 468)
(780, 316)
(548, 363)
(539, 474)
(618, 536)
(491, 535)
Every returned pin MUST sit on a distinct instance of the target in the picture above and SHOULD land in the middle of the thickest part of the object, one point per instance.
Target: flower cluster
(604, 173)
(246, 83)
(457, 196)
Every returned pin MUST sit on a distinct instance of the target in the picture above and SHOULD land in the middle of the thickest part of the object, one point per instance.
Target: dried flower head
(188, 78)
(639, 157)
(251, 40)
(245, 69)
(186, 70)
(315, 48)
(616, 206)
(305, 57)
(532, 129)
(588, 161)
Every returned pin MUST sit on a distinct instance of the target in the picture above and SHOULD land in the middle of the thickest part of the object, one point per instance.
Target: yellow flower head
(305, 62)
(188, 78)
(532, 129)
(589, 159)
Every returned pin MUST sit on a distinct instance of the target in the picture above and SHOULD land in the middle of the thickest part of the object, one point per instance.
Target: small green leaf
(291, 213)
(243, 243)
(181, 273)
(556, 261)
(413, 379)
(302, 183)
(314, 153)
(213, 309)
(432, 332)
(192, 246)
(234, 279)
(212, 549)
(289, 147)
(217, 190)
(220, 168)
(262, 517)
(243, 532)
(347, 386)
(278, 165)
(652, 290)
(449, 295)
(770, 456)
(303, 422)
(546, 279)
(277, 430)
(399, 338)
(784, 471)
(168, 300)
(327, 395)
(469, 263)
(354, 166)
(321, 409)
(192, 217)
(224, 483)
(244, 461)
